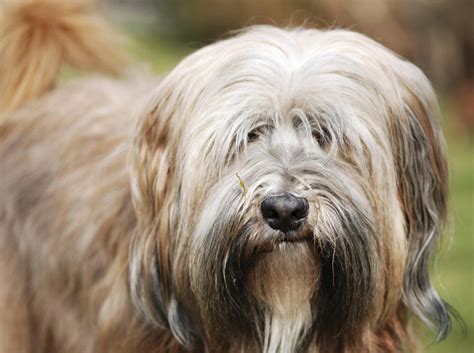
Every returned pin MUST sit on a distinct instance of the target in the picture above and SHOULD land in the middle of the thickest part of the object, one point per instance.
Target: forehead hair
(263, 73)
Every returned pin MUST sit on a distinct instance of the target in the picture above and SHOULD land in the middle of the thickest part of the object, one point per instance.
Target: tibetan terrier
(279, 191)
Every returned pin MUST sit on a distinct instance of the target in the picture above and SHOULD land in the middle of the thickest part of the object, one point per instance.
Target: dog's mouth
(292, 241)
(302, 234)
(277, 238)
(294, 238)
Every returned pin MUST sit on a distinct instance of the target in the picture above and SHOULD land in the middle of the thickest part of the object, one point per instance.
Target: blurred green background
(437, 35)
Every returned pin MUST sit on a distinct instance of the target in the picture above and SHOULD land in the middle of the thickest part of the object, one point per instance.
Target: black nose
(284, 212)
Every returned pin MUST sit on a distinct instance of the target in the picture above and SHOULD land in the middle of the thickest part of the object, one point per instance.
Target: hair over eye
(322, 136)
(255, 133)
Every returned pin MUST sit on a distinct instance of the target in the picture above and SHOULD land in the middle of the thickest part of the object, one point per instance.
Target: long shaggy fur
(37, 37)
(130, 210)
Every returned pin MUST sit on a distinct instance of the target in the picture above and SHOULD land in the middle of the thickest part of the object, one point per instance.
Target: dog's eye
(322, 136)
(253, 135)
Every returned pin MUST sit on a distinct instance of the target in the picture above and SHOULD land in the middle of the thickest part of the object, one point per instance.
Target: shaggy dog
(279, 191)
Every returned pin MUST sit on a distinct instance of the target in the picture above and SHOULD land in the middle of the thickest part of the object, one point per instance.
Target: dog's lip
(270, 246)
(304, 234)
(294, 239)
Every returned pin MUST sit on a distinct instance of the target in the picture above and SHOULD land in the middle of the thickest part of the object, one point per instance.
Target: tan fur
(62, 186)
(15, 321)
(37, 37)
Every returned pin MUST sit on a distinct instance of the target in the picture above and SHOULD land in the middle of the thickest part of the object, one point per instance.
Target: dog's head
(290, 187)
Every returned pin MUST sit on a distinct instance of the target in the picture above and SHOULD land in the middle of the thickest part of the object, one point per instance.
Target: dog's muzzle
(284, 212)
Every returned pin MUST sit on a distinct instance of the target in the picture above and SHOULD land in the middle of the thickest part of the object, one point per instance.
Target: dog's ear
(154, 191)
(421, 167)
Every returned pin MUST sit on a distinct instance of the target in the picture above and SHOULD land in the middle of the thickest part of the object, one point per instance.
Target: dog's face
(290, 187)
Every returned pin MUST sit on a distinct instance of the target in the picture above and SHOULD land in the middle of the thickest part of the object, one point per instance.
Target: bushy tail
(38, 36)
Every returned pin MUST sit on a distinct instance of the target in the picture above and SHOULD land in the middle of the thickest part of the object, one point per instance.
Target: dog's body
(167, 237)
(66, 191)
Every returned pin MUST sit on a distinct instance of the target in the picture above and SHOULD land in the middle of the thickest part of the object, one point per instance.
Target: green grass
(455, 265)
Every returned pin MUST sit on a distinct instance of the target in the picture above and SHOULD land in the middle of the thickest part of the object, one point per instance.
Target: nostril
(268, 209)
(271, 214)
(301, 210)
(298, 214)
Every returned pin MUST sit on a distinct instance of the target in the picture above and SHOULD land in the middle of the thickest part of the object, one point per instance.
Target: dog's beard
(248, 278)
(283, 281)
